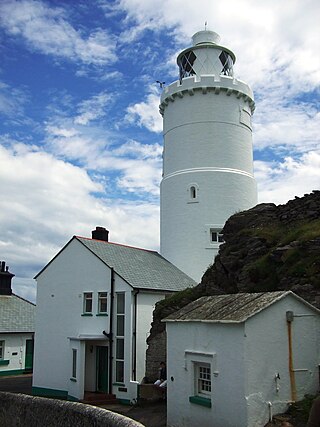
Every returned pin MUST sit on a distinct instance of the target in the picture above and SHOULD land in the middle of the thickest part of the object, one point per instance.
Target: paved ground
(150, 414)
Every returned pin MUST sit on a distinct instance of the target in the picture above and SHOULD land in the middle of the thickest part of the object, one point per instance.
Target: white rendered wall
(14, 343)
(222, 347)
(145, 305)
(266, 354)
(208, 144)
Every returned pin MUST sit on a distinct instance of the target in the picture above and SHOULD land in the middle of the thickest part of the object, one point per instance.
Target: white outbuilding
(95, 301)
(235, 360)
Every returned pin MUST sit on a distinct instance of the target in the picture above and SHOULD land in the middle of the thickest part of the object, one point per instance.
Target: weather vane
(161, 84)
(205, 26)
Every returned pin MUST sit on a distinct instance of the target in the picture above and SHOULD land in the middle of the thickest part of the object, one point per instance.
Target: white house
(234, 360)
(94, 310)
(16, 328)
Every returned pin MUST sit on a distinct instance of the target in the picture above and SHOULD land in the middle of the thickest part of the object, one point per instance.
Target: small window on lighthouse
(216, 236)
(193, 192)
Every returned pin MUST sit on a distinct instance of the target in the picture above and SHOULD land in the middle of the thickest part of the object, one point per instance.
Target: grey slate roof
(142, 269)
(16, 314)
(232, 308)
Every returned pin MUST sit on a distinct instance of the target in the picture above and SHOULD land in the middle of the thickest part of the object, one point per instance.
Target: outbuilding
(235, 360)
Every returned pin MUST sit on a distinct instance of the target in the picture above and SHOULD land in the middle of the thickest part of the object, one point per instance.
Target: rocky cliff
(266, 248)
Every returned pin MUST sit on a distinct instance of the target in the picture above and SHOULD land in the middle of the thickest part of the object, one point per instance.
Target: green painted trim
(203, 401)
(49, 392)
(72, 399)
(4, 362)
(87, 314)
(124, 401)
(120, 384)
(13, 372)
(73, 379)
(102, 314)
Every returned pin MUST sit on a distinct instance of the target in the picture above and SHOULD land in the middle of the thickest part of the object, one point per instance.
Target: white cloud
(92, 109)
(146, 113)
(49, 201)
(47, 30)
(280, 182)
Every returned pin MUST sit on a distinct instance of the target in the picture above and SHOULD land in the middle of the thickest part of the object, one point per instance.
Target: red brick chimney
(100, 233)
(5, 279)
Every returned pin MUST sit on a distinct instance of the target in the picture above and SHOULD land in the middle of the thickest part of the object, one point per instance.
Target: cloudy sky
(80, 132)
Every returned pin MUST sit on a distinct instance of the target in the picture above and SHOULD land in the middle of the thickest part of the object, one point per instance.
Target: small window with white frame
(216, 236)
(1, 350)
(102, 302)
(203, 379)
(87, 303)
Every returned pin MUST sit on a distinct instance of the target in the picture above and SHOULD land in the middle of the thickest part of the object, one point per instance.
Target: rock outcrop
(266, 248)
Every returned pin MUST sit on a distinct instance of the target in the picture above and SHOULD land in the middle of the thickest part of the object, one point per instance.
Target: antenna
(205, 26)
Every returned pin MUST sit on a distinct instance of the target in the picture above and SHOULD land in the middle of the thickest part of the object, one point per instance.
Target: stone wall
(156, 353)
(21, 410)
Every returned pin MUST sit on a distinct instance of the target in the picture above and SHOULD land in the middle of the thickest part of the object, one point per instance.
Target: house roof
(16, 314)
(232, 308)
(141, 268)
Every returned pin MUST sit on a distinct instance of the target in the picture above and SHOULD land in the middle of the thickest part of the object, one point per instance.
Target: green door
(102, 369)
(29, 355)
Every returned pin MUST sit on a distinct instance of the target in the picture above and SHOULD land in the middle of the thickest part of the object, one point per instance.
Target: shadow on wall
(20, 409)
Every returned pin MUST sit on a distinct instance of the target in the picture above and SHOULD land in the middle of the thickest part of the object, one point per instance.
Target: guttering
(289, 317)
(134, 338)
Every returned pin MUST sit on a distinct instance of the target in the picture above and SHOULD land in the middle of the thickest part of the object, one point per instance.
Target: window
(216, 236)
(1, 350)
(203, 380)
(102, 302)
(87, 302)
(227, 63)
(74, 363)
(193, 192)
(120, 331)
(185, 63)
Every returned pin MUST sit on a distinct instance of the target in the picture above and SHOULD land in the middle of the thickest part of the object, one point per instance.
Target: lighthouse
(207, 154)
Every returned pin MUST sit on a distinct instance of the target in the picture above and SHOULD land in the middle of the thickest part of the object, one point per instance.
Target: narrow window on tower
(193, 191)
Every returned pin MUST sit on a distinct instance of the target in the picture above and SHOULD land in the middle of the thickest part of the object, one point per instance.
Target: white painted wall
(146, 302)
(266, 354)
(58, 315)
(14, 343)
(223, 349)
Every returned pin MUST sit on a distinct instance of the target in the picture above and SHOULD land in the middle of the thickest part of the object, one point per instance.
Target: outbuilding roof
(231, 308)
(141, 268)
(16, 314)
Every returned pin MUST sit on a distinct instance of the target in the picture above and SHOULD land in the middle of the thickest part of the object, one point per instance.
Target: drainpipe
(111, 331)
(289, 316)
(270, 411)
(134, 338)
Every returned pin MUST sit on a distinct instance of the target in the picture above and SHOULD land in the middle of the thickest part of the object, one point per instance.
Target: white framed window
(120, 333)
(102, 302)
(1, 350)
(87, 303)
(74, 363)
(216, 236)
(202, 379)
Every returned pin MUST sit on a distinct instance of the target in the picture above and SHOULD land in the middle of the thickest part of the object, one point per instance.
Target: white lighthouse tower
(207, 158)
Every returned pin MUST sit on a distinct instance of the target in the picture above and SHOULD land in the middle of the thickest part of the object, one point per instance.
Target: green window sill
(102, 314)
(87, 314)
(119, 384)
(202, 401)
(4, 362)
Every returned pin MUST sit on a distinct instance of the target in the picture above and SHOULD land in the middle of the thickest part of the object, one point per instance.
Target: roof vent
(100, 233)
(5, 279)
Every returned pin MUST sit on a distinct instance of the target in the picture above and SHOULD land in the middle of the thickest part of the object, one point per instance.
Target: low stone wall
(17, 410)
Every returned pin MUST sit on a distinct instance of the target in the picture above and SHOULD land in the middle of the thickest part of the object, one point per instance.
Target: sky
(80, 131)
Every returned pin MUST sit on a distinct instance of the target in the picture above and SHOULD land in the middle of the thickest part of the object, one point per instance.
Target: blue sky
(80, 132)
